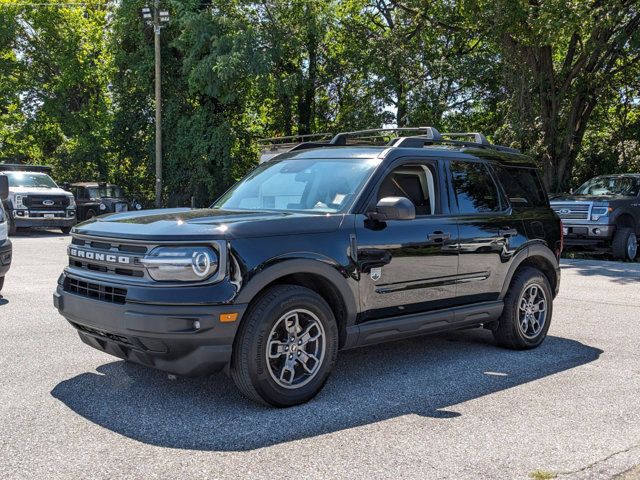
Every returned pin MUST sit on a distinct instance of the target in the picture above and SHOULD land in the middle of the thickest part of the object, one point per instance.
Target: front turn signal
(228, 317)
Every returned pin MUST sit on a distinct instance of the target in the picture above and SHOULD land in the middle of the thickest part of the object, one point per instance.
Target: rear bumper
(6, 250)
(186, 340)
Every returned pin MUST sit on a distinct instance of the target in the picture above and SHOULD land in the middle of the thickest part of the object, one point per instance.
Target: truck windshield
(624, 186)
(105, 192)
(327, 186)
(30, 179)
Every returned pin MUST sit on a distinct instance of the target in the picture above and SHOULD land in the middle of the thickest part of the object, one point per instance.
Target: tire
(625, 244)
(1, 283)
(12, 226)
(262, 370)
(65, 230)
(90, 214)
(510, 331)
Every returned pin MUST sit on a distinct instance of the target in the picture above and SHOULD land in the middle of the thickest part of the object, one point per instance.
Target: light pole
(157, 18)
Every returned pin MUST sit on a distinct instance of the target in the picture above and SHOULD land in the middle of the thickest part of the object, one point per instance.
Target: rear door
(489, 231)
(408, 266)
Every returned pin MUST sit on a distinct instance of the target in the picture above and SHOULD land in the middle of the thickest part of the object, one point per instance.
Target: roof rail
(23, 167)
(383, 134)
(270, 147)
(477, 137)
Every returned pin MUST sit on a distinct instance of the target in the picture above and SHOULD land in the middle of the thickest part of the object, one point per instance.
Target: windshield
(28, 179)
(625, 186)
(105, 192)
(328, 186)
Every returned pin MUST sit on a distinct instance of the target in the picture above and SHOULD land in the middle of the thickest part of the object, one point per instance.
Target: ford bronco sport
(603, 214)
(326, 247)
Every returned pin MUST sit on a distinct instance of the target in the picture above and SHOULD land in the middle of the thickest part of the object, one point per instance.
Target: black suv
(326, 247)
(99, 198)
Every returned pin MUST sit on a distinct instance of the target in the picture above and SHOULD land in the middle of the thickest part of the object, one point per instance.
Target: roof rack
(418, 137)
(270, 147)
(21, 167)
(382, 135)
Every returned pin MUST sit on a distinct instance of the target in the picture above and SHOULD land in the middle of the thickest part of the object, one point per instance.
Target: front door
(408, 266)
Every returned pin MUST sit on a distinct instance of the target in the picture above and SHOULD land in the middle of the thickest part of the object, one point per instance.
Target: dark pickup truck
(603, 214)
(326, 247)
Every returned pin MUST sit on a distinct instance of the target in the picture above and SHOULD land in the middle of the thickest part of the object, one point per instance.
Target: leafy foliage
(560, 80)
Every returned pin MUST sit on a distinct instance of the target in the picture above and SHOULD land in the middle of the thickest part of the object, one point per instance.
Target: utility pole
(157, 19)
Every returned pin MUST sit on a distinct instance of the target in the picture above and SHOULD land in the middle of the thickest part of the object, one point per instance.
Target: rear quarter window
(522, 186)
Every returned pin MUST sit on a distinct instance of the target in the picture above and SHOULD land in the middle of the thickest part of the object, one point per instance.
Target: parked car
(321, 249)
(5, 243)
(603, 214)
(35, 200)
(99, 198)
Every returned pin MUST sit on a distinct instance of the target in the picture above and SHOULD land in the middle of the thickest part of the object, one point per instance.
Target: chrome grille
(572, 210)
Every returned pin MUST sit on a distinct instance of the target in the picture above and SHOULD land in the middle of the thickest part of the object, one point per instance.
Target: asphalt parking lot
(452, 406)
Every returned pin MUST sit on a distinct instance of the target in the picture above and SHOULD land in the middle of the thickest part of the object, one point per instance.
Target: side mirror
(394, 208)
(4, 187)
(66, 186)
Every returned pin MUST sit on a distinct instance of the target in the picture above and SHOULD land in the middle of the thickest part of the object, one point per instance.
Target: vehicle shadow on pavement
(623, 273)
(422, 376)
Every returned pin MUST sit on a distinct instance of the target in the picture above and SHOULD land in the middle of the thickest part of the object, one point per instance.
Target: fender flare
(533, 250)
(284, 267)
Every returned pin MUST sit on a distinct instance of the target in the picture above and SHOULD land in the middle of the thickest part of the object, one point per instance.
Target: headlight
(103, 206)
(138, 206)
(72, 202)
(181, 264)
(597, 212)
(19, 203)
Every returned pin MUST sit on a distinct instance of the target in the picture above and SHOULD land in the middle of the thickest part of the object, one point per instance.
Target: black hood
(187, 224)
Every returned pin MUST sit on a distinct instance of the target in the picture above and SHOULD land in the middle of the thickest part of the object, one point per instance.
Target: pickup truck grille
(96, 291)
(572, 210)
(92, 254)
(46, 202)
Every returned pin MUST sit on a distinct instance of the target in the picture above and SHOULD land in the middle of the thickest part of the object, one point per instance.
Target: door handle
(439, 236)
(508, 232)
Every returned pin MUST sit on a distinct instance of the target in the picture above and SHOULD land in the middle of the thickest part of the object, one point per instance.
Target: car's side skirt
(404, 326)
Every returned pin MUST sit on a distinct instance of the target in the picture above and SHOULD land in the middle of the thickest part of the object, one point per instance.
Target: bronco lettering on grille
(99, 257)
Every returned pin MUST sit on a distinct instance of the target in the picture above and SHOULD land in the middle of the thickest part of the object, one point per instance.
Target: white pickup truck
(5, 243)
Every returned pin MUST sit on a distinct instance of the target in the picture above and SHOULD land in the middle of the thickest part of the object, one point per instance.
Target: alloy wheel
(296, 348)
(632, 246)
(532, 311)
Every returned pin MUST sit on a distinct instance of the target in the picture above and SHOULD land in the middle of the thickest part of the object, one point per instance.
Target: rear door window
(522, 186)
(475, 190)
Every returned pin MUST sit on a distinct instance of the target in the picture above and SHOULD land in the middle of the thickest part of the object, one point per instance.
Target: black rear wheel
(528, 307)
(65, 230)
(286, 347)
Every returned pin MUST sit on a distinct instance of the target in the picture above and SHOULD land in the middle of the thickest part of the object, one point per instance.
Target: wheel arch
(316, 275)
(626, 220)
(537, 256)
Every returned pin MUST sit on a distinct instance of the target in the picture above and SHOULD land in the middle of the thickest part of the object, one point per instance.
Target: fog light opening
(596, 231)
(196, 324)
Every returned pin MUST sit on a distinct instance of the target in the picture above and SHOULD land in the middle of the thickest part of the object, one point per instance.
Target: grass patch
(542, 475)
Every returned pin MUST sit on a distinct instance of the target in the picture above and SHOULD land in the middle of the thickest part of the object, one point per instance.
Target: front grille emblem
(48, 203)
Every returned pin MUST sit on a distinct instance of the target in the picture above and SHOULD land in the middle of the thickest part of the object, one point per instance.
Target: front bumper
(37, 219)
(165, 337)
(5, 257)
(587, 233)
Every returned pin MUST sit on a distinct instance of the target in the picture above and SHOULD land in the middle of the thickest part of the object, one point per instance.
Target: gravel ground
(451, 406)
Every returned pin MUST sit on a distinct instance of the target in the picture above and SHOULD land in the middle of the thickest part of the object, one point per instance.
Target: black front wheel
(625, 244)
(286, 347)
(528, 307)
(65, 230)
(12, 226)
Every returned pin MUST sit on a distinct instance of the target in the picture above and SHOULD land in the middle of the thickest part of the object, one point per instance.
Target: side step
(405, 326)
